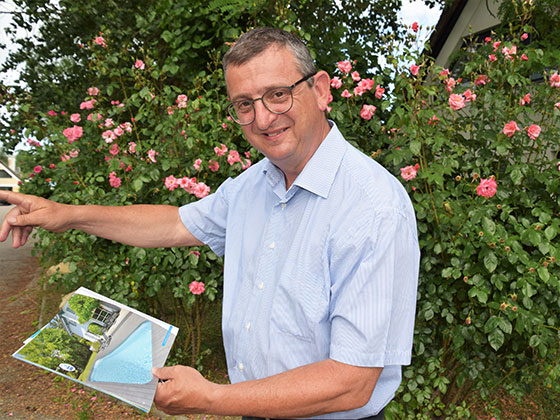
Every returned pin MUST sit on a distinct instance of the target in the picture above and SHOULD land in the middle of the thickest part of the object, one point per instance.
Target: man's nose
(263, 117)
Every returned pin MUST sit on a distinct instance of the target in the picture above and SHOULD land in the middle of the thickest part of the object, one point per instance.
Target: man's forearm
(312, 390)
(147, 226)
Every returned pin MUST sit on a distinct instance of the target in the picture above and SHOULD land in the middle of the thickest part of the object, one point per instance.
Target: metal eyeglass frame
(232, 113)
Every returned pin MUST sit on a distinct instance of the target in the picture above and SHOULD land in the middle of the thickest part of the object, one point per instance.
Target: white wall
(474, 18)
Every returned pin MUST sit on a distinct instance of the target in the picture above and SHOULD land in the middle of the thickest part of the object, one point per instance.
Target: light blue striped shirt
(327, 269)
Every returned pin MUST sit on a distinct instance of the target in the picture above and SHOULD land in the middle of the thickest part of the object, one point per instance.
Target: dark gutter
(444, 26)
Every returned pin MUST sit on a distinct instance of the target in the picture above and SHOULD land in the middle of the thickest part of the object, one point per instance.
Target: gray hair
(256, 41)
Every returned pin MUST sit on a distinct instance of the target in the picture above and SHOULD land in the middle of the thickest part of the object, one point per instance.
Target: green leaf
(505, 325)
(488, 225)
(491, 262)
(137, 184)
(550, 232)
(496, 339)
(415, 147)
(544, 274)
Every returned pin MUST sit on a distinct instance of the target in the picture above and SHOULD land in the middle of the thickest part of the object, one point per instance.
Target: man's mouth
(275, 133)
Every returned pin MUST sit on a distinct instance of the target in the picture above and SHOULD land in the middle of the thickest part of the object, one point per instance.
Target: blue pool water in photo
(130, 362)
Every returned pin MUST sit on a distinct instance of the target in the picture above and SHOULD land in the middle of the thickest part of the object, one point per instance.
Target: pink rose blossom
(524, 57)
(379, 91)
(222, 150)
(118, 131)
(213, 165)
(246, 165)
(109, 122)
(152, 155)
(171, 183)
(469, 96)
(346, 94)
(524, 36)
(195, 253)
(93, 91)
(415, 26)
(131, 147)
(492, 57)
(64, 158)
(450, 84)
(367, 84)
(496, 45)
(88, 104)
(534, 131)
(75, 118)
(127, 127)
(367, 112)
(52, 113)
(109, 136)
(487, 39)
(37, 169)
(345, 66)
(359, 91)
(197, 164)
(487, 188)
(196, 287)
(444, 73)
(52, 166)
(336, 82)
(409, 172)
(233, 157)
(414, 69)
(181, 101)
(74, 153)
(139, 64)
(355, 76)
(200, 190)
(100, 41)
(525, 100)
(510, 128)
(433, 121)
(456, 102)
(555, 80)
(114, 180)
(73, 133)
(557, 106)
(114, 150)
(481, 80)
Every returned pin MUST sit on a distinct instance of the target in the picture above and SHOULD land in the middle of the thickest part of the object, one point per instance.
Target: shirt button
(240, 366)
(247, 326)
(272, 245)
(261, 285)
(283, 206)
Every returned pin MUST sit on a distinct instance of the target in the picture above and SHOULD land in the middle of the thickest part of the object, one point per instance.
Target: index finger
(12, 197)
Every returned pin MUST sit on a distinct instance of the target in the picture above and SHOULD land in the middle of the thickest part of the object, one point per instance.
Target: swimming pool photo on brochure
(102, 344)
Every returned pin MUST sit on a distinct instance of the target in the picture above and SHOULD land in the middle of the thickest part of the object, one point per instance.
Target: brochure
(104, 345)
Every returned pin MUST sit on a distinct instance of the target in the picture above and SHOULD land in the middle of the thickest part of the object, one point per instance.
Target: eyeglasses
(277, 100)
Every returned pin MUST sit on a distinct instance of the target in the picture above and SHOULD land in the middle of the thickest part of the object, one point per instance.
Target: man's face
(288, 140)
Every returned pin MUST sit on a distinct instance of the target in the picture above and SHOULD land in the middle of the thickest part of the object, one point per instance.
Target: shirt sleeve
(206, 218)
(373, 292)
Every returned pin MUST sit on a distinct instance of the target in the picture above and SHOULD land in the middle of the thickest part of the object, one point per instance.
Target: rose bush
(477, 149)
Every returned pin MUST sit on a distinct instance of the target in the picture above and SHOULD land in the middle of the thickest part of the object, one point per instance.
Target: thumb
(22, 220)
(163, 373)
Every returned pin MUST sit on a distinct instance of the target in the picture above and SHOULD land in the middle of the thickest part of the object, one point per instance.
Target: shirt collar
(318, 174)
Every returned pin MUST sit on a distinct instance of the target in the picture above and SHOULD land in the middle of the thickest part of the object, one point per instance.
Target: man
(320, 245)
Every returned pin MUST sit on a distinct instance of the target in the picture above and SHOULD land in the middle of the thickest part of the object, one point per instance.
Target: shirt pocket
(300, 306)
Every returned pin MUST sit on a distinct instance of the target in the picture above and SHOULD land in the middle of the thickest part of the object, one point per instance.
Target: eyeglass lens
(277, 100)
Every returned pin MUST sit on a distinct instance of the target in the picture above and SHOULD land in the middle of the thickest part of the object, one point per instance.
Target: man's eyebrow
(242, 96)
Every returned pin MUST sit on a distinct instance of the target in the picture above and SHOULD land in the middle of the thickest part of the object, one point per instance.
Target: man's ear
(322, 86)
